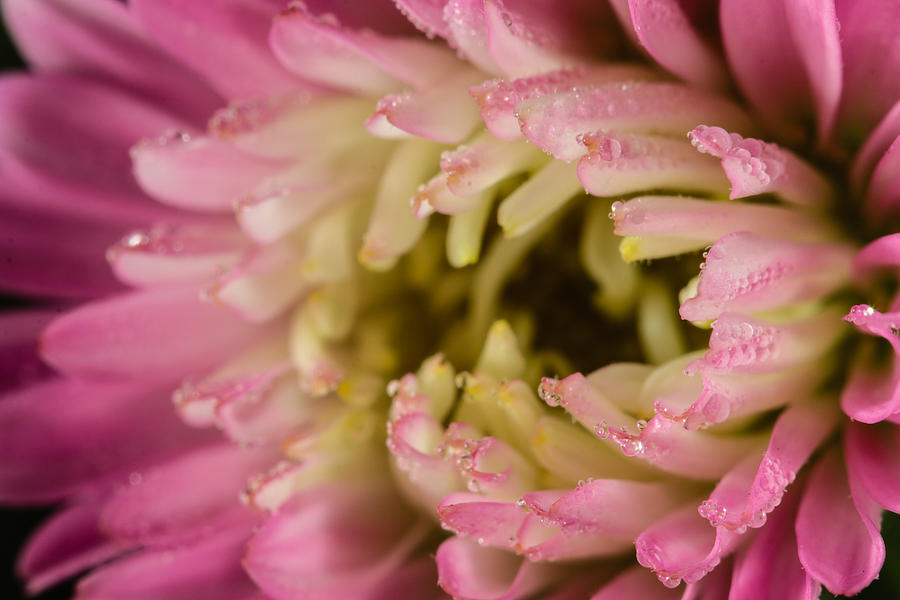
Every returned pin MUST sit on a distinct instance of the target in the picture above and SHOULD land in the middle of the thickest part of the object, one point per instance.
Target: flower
(289, 269)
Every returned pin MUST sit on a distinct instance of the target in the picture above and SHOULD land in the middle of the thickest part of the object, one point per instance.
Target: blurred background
(17, 523)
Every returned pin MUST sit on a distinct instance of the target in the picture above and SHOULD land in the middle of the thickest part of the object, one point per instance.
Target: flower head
(356, 250)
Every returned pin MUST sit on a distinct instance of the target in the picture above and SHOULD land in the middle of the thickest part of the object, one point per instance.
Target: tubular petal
(471, 572)
(847, 555)
(618, 164)
(490, 523)
(767, 568)
(356, 61)
(636, 582)
(203, 173)
(747, 272)
(873, 458)
(498, 98)
(756, 167)
(553, 121)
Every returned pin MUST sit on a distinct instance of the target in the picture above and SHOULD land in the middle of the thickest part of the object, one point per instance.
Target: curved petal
(682, 546)
(666, 33)
(871, 56)
(206, 36)
(358, 61)
(837, 527)
(19, 360)
(764, 61)
(873, 456)
(148, 513)
(471, 572)
(55, 159)
(62, 436)
(636, 582)
(102, 39)
(209, 569)
(325, 543)
(64, 545)
(883, 193)
(747, 273)
(123, 336)
(768, 568)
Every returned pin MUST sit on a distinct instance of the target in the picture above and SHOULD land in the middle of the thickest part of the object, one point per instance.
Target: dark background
(17, 523)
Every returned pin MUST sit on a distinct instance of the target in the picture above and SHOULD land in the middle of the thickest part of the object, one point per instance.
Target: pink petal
(57, 257)
(64, 545)
(471, 572)
(881, 253)
(466, 25)
(747, 273)
(233, 32)
(553, 121)
(730, 396)
(263, 285)
(525, 37)
(636, 582)
(62, 436)
(871, 53)
(741, 344)
(874, 460)
(837, 527)
(873, 395)
(764, 61)
(705, 221)
(756, 167)
(768, 568)
(883, 194)
(203, 173)
(666, 444)
(874, 148)
(618, 164)
(357, 61)
(750, 491)
(682, 546)
(122, 336)
(614, 508)
(413, 441)
(148, 513)
(426, 15)
(209, 569)
(479, 164)
(19, 361)
(542, 543)
(441, 112)
(55, 158)
(101, 38)
(490, 523)
(497, 98)
(817, 36)
(666, 33)
(380, 16)
(171, 254)
(325, 543)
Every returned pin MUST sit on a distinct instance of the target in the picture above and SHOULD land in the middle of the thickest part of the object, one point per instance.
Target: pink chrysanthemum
(302, 193)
